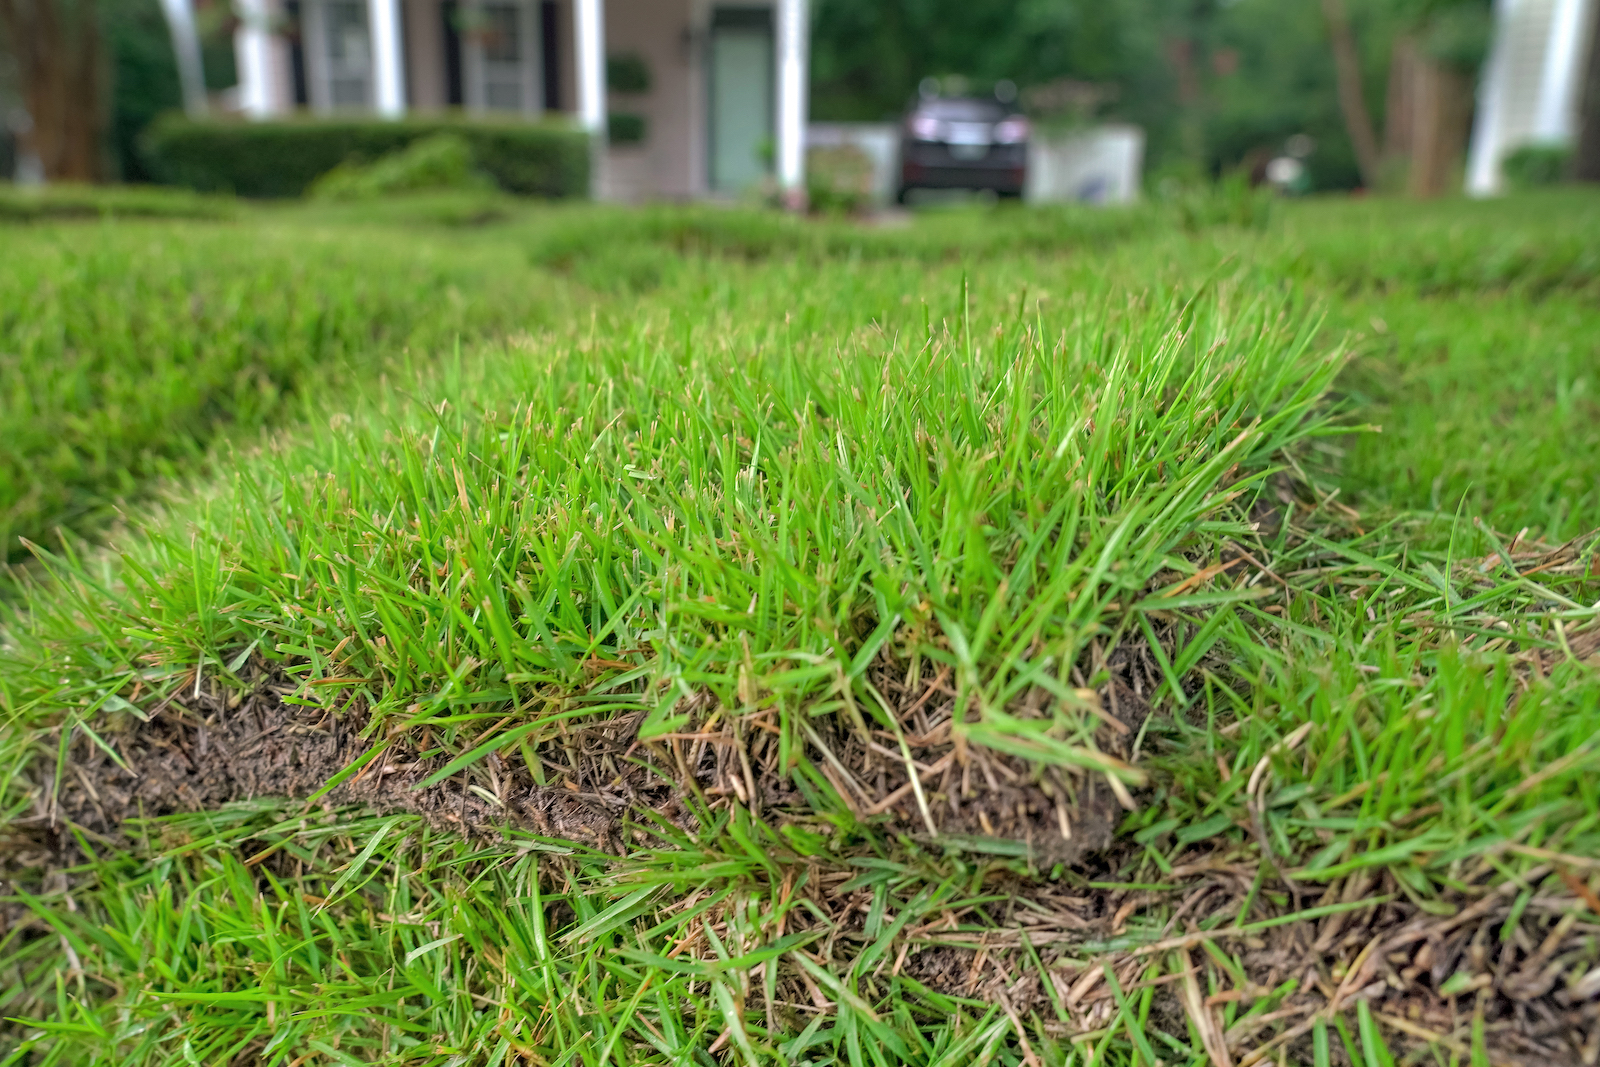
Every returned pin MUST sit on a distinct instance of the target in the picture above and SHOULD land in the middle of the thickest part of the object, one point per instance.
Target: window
(501, 46)
(503, 52)
(349, 53)
(500, 37)
(339, 54)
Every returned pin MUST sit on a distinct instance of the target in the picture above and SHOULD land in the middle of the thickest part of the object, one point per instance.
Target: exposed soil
(204, 748)
(1062, 815)
(1528, 975)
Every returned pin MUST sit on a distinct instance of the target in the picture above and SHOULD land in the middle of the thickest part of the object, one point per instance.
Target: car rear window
(962, 110)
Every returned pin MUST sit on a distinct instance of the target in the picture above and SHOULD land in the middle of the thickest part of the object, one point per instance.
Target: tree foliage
(1217, 84)
(144, 72)
(92, 74)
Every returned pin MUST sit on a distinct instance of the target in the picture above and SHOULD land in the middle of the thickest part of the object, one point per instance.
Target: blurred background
(849, 103)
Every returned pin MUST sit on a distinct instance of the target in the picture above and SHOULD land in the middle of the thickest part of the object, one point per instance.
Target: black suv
(963, 143)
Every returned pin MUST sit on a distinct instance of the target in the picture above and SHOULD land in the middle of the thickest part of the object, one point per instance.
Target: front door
(741, 87)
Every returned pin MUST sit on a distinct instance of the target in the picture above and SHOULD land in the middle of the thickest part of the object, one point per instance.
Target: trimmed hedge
(278, 159)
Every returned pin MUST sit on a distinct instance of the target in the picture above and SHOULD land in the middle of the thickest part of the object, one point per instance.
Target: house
(1532, 84)
(705, 98)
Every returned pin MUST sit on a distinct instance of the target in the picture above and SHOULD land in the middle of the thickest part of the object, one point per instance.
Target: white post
(388, 58)
(589, 29)
(186, 49)
(252, 52)
(1483, 157)
(1558, 93)
(793, 33)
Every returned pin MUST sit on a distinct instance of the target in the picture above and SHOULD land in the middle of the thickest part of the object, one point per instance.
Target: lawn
(567, 635)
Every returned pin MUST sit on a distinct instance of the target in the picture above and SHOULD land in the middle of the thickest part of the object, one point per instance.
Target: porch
(704, 98)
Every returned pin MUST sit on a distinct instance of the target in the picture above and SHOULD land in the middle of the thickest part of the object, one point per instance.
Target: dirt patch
(206, 747)
(1525, 974)
(206, 751)
(1060, 814)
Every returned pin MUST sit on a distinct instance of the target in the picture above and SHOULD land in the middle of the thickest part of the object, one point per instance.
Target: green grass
(20, 204)
(122, 357)
(125, 348)
(1487, 403)
(711, 470)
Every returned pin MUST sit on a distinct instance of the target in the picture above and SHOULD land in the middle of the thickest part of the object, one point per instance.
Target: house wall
(425, 74)
(666, 166)
(568, 62)
(699, 99)
(670, 35)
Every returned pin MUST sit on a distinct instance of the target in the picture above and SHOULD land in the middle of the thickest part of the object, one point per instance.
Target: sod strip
(1073, 564)
(127, 355)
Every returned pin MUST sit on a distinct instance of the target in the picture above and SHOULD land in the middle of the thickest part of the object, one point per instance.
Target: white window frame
(319, 70)
(474, 72)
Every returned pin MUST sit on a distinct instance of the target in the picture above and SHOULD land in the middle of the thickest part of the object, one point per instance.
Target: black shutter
(450, 10)
(297, 53)
(550, 38)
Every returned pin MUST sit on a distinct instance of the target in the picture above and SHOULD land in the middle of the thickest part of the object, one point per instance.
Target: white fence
(878, 141)
(1097, 165)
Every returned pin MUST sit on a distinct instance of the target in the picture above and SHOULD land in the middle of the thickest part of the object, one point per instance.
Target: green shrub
(443, 161)
(623, 127)
(838, 179)
(280, 159)
(628, 73)
(1535, 165)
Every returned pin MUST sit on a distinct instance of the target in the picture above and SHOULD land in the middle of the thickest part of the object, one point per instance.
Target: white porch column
(388, 58)
(1558, 94)
(259, 95)
(794, 31)
(1483, 155)
(186, 49)
(589, 31)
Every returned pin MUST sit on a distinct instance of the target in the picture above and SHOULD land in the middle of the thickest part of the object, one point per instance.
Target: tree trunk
(1352, 100)
(1400, 104)
(1440, 118)
(59, 65)
(1586, 161)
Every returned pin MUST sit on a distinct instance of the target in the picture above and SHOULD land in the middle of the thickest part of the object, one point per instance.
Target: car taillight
(925, 128)
(1014, 130)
